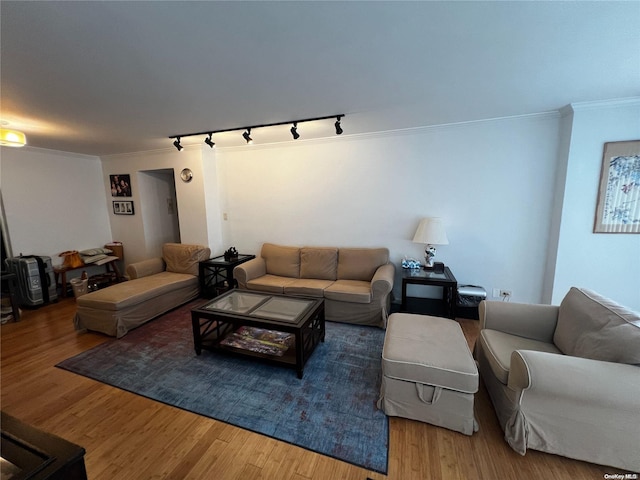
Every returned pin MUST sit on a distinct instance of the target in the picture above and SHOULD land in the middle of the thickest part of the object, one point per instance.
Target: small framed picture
(123, 208)
(120, 185)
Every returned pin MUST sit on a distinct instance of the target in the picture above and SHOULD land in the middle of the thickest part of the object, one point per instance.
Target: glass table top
(260, 305)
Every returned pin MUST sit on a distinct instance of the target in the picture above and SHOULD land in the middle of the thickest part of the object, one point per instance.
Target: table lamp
(430, 232)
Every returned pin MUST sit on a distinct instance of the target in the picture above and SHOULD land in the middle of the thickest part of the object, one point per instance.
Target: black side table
(216, 274)
(446, 307)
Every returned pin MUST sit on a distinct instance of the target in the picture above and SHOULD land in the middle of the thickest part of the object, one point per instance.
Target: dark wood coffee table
(301, 317)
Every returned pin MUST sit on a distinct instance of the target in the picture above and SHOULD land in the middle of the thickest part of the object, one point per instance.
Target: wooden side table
(216, 274)
(445, 307)
(60, 272)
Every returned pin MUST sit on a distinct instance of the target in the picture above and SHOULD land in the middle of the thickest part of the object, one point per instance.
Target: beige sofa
(156, 286)
(355, 283)
(565, 379)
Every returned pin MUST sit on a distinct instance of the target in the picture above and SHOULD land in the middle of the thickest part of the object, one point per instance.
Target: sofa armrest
(254, 268)
(534, 321)
(576, 379)
(145, 268)
(382, 281)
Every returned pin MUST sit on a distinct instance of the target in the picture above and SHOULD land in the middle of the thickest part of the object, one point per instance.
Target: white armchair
(565, 379)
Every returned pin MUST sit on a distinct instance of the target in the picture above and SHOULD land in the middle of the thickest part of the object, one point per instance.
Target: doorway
(160, 212)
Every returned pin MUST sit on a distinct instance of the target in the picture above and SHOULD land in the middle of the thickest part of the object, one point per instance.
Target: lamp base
(429, 254)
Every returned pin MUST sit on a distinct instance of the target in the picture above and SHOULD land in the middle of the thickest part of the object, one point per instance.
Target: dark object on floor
(31, 453)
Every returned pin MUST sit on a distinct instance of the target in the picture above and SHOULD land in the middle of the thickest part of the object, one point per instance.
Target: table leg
(197, 338)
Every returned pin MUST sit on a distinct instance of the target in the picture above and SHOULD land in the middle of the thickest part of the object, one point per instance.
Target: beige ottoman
(428, 372)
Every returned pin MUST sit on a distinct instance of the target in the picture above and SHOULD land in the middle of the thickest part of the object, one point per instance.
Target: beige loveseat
(355, 283)
(565, 379)
(156, 286)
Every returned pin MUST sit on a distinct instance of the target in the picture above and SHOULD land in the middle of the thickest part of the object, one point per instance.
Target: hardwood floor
(130, 437)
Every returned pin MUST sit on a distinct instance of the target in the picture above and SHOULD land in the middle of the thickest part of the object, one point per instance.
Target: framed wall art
(120, 185)
(618, 207)
(123, 207)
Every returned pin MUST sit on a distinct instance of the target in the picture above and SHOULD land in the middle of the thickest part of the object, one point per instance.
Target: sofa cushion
(126, 294)
(319, 262)
(353, 291)
(360, 263)
(498, 347)
(592, 326)
(281, 261)
(311, 287)
(183, 258)
(269, 283)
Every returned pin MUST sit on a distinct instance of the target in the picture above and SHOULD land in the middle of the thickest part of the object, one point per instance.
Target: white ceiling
(113, 77)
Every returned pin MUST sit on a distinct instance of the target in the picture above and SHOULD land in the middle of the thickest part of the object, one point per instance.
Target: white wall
(605, 262)
(491, 181)
(190, 198)
(54, 201)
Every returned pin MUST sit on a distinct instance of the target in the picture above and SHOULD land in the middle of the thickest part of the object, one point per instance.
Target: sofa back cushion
(319, 263)
(184, 258)
(592, 326)
(280, 260)
(360, 263)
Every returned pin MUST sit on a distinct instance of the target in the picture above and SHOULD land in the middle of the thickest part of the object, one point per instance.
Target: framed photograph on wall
(618, 207)
(123, 207)
(120, 185)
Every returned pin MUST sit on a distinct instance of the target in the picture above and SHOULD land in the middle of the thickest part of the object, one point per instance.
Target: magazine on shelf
(268, 342)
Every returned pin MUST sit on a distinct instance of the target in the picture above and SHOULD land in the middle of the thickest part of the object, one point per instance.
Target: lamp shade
(431, 231)
(12, 138)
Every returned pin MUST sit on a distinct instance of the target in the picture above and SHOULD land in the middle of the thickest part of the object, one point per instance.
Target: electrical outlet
(496, 293)
(505, 293)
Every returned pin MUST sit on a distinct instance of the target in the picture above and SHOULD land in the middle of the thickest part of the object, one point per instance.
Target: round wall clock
(186, 175)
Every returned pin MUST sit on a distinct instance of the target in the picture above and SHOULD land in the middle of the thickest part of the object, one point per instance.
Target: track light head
(247, 136)
(337, 125)
(209, 141)
(294, 131)
(177, 144)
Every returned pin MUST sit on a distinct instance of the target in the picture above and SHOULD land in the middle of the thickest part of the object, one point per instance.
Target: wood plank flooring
(130, 437)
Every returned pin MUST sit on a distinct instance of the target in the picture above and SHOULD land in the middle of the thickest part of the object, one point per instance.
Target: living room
(517, 191)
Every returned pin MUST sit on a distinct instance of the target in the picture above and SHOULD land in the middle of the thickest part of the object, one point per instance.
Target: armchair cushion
(499, 347)
(592, 326)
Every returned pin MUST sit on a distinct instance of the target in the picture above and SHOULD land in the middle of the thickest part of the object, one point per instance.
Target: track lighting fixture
(294, 131)
(247, 133)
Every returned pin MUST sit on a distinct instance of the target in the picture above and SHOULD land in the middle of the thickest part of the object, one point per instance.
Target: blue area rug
(332, 410)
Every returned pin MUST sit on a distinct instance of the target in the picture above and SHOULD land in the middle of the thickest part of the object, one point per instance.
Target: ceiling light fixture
(247, 134)
(337, 125)
(294, 131)
(12, 138)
